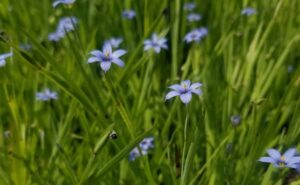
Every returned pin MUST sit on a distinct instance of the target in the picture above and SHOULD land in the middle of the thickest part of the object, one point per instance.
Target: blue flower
(46, 95)
(192, 17)
(145, 145)
(189, 6)
(114, 42)
(235, 119)
(3, 57)
(57, 2)
(66, 24)
(196, 35)
(248, 11)
(155, 43)
(184, 91)
(106, 57)
(288, 159)
(128, 14)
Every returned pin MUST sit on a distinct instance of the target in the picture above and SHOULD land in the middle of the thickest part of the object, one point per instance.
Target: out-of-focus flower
(7, 134)
(155, 43)
(248, 11)
(57, 2)
(184, 91)
(145, 145)
(46, 95)
(196, 35)
(25, 46)
(106, 57)
(3, 57)
(290, 68)
(288, 159)
(193, 17)
(114, 42)
(189, 6)
(235, 120)
(128, 14)
(66, 24)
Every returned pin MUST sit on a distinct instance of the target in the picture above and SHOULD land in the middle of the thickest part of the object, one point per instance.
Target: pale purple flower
(196, 35)
(46, 95)
(288, 159)
(25, 46)
(128, 14)
(3, 57)
(145, 145)
(114, 42)
(66, 24)
(184, 91)
(235, 120)
(193, 17)
(189, 6)
(107, 57)
(155, 43)
(57, 2)
(290, 68)
(248, 11)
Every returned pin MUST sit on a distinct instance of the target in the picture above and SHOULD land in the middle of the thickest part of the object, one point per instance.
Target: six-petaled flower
(106, 57)
(248, 11)
(184, 91)
(196, 35)
(155, 43)
(288, 159)
(57, 2)
(46, 95)
(3, 57)
(128, 14)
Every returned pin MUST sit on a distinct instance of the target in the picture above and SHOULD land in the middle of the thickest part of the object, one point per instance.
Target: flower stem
(184, 144)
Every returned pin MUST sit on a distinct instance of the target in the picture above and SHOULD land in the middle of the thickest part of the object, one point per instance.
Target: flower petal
(156, 49)
(119, 53)
(96, 53)
(93, 59)
(107, 48)
(175, 87)
(147, 47)
(2, 63)
(119, 62)
(186, 97)
(196, 85)
(186, 82)
(172, 94)
(105, 66)
(196, 91)
(293, 160)
(289, 153)
(274, 153)
(267, 160)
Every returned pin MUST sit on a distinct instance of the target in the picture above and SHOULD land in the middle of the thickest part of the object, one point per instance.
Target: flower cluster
(145, 145)
(65, 25)
(184, 91)
(107, 57)
(155, 43)
(46, 95)
(196, 35)
(288, 159)
(3, 57)
(57, 2)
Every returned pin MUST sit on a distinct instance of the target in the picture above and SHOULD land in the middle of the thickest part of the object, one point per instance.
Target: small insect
(113, 135)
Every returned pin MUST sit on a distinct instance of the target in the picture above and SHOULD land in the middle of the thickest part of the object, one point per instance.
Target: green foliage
(242, 63)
